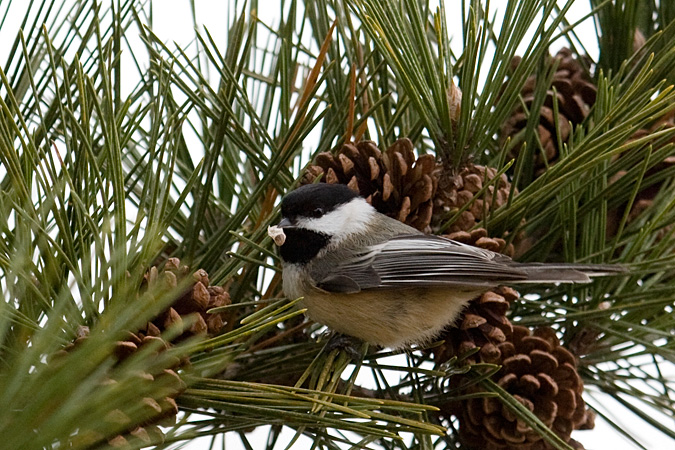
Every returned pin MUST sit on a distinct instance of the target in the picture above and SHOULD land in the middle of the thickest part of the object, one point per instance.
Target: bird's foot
(349, 344)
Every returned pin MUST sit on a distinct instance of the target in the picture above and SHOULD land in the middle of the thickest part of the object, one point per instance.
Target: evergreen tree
(141, 296)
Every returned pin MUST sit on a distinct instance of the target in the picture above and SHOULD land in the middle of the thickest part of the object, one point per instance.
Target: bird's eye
(317, 212)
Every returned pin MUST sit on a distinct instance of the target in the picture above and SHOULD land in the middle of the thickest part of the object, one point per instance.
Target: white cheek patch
(350, 218)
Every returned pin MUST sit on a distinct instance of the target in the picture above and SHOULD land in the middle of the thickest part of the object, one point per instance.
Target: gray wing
(421, 260)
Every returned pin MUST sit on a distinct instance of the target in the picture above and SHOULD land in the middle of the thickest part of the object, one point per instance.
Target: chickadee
(372, 277)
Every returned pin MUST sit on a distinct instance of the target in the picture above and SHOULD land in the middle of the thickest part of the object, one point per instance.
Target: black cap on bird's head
(313, 201)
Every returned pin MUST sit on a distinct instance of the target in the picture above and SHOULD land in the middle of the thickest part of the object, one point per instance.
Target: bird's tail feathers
(568, 273)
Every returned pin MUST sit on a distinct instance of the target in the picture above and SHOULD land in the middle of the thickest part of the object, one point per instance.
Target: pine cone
(483, 323)
(156, 413)
(575, 96)
(193, 304)
(541, 375)
(479, 238)
(394, 181)
(190, 307)
(583, 339)
(455, 190)
(645, 197)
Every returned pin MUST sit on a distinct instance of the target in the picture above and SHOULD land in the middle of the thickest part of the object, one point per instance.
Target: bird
(370, 277)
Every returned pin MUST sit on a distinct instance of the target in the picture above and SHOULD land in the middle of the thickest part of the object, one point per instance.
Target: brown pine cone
(646, 195)
(395, 182)
(483, 323)
(541, 375)
(189, 308)
(155, 412)
(479, 238)
(575, 93)
(583, 339)
(457, 189)
(193, 304)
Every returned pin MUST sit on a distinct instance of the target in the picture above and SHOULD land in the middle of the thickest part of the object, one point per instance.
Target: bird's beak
(285, 223)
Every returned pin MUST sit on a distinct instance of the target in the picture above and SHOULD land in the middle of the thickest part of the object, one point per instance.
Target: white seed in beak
(277, 235)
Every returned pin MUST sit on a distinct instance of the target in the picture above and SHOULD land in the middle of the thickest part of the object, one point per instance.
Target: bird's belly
(391, 318)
